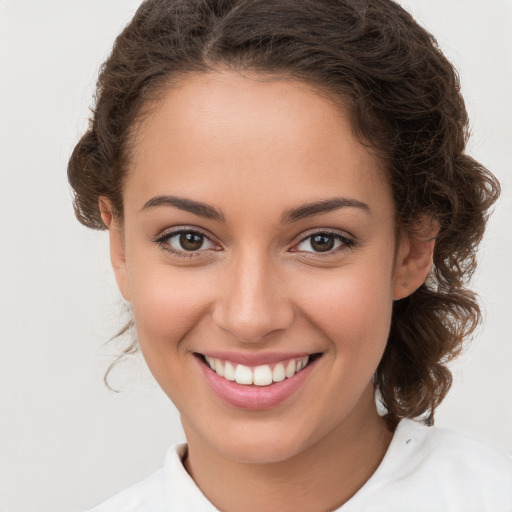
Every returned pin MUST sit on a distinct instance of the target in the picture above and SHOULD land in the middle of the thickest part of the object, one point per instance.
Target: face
(258, 238)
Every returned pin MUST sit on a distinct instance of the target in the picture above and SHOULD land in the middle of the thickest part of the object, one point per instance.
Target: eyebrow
(288, 216)
(188, 205)
(319, 207)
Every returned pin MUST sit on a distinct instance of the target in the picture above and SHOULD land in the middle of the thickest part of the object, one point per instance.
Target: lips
(255, 386)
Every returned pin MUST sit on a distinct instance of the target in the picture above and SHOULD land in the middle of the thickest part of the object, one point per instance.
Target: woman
(293, 219)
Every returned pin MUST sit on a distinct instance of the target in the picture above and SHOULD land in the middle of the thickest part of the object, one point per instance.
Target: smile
(262, 375)
(257, 383)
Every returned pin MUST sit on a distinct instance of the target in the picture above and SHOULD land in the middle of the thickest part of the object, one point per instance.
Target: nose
(253, 303)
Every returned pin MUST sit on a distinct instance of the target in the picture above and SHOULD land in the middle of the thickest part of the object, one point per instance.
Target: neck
(321, 477)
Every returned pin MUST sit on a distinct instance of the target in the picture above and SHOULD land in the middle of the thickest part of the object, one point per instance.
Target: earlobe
(117, 248)
(413, 263)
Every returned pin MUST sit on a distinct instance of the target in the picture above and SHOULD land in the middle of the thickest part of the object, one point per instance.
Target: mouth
(247, 385)
(260, 375)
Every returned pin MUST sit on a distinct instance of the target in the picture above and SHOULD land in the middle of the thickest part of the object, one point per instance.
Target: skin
(253, 147)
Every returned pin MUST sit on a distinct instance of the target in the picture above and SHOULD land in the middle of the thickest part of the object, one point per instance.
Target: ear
(117, 250)
(414, 258)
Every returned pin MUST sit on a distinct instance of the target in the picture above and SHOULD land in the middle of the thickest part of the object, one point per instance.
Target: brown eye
(191, 241)
(187, 241)
(321, 243)
(324, 242)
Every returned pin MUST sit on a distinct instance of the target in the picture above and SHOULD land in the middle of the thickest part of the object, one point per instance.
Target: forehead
(235, 135)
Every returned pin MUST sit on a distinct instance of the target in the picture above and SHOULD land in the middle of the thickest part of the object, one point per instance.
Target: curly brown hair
(404, 103)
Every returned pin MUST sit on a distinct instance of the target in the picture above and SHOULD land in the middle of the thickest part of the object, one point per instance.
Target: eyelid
(347, 241)
(174, 230)
(162, 237)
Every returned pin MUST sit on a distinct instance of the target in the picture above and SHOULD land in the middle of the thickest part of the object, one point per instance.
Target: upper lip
(254, 359)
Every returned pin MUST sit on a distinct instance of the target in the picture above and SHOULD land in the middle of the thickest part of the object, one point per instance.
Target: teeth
(229, 371)
(243, 374)
(219, 368)
(290, 369)
(260, 375)
(278, 374)
(211, 362)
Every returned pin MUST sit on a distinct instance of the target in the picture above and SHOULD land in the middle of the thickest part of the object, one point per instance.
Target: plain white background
(66, 442)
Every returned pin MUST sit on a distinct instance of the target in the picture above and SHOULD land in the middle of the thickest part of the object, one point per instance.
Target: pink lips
(254, 397)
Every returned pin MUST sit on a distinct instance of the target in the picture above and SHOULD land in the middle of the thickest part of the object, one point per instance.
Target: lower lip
(254, 397)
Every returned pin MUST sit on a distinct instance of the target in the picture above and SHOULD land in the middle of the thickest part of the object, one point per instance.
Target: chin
(265, 442)
(260, 451)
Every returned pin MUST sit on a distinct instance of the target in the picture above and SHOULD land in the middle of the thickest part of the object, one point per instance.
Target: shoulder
(438, 469)
(422, 435)
(169, 488)
(453, 451)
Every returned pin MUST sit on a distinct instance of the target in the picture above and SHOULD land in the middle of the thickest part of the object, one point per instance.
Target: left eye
(189, 241)
(322, 242)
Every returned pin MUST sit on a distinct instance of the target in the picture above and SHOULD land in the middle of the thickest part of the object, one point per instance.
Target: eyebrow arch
(188, 205)
(319, 207)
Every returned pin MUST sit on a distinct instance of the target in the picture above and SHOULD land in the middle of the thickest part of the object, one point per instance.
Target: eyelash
(163, 242)
(346, 243)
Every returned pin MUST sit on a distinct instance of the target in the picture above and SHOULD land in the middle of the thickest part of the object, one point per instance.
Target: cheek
(167, 304)
(352, 308)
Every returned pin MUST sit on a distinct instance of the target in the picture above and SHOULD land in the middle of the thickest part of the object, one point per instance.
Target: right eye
(186, 243)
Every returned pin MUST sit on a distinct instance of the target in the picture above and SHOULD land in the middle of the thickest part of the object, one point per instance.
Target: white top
(426, 469)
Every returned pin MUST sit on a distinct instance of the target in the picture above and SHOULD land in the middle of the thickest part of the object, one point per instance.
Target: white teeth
(303, 362)
(211, 362)
(243, 374)
(290, 369)
(278, 373)
(262, 375)
(229, 371)
(219, 368)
